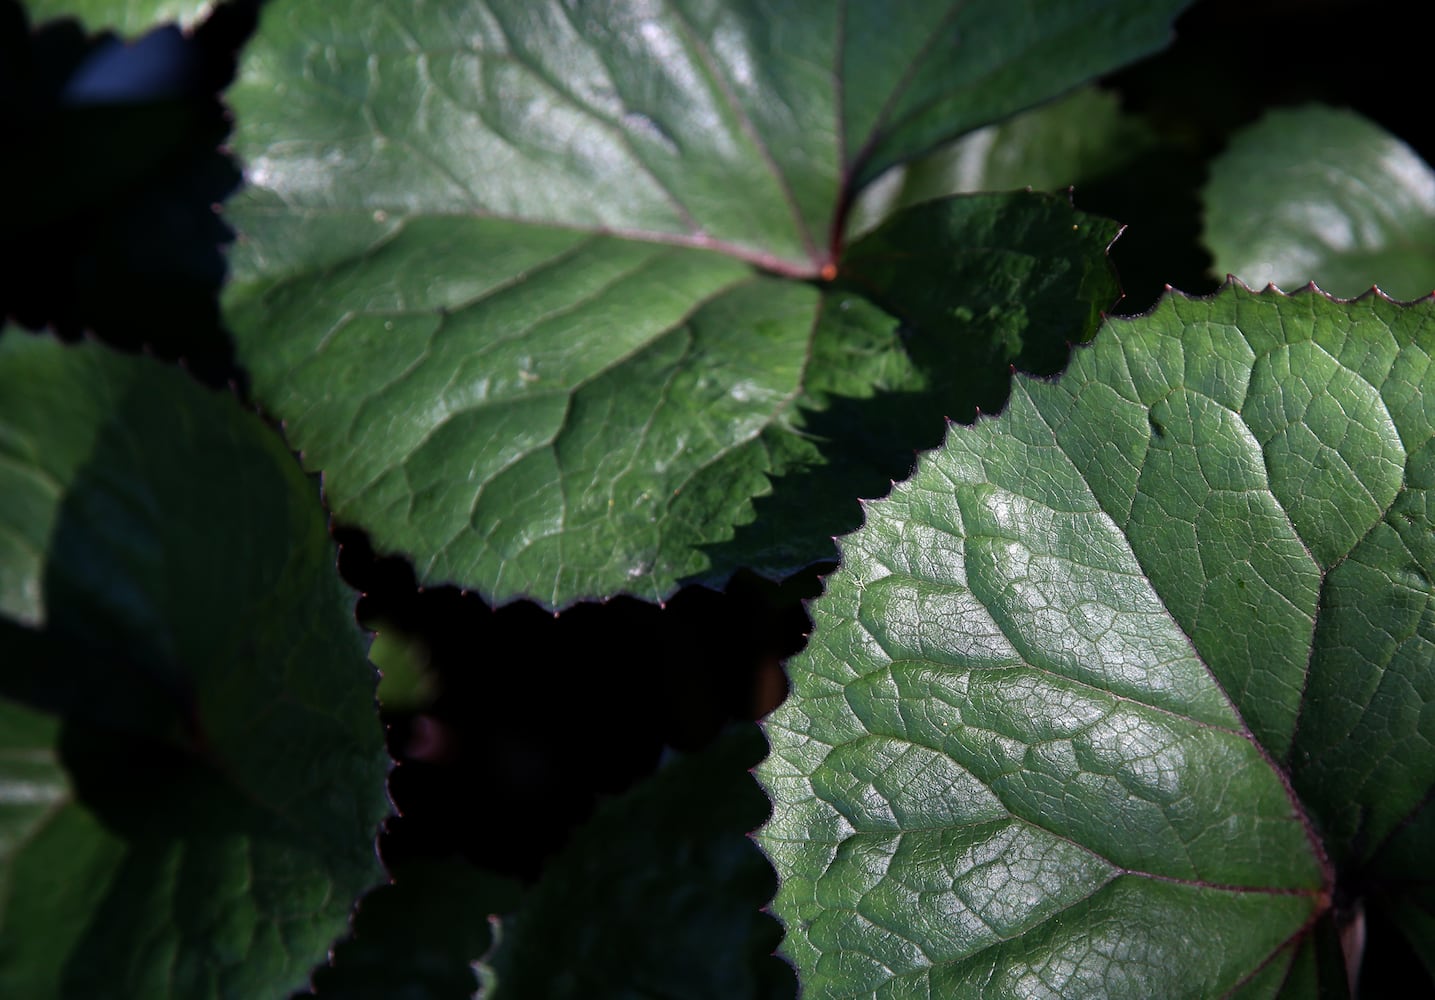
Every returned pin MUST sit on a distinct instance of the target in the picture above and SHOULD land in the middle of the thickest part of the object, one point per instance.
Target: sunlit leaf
(1103, 698)
(540, 288)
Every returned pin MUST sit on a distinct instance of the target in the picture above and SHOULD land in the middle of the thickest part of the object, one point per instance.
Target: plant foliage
(1131, 659)
(1123, 692)
(575, 271)
(191, 773)
(1324, 195)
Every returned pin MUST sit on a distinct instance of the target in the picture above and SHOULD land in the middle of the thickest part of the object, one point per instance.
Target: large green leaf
(1318, 194)
(536, 286)
(192, 769)
(1102, 698)
(659, 895)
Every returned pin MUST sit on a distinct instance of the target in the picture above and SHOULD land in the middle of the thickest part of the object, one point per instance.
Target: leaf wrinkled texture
(540, 287)
(191, 769)
(1102, 698)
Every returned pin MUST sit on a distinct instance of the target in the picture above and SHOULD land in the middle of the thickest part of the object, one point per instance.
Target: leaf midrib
(1003, 939)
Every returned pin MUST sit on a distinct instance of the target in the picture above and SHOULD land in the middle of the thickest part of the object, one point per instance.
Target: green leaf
(128, 17)
(658, 895)
(1318, 194)
(1087, 686)
(407, 682)
(537, 288)
(418, 938)
(192, 770)
(1119, 164)
(976, 286)
(1082, 137)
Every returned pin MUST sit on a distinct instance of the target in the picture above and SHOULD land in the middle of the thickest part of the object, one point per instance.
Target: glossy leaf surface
(1088, 686)
(192, 770)
(1324, 195)
(537, 287)
(1079, 138)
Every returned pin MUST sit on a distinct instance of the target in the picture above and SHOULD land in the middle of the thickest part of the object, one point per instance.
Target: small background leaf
(193, 770)
(418, 937)
(406, 680)
(659, 895)
(1070, 141)
(128, 17)
(1119, 164)
(1321, 194)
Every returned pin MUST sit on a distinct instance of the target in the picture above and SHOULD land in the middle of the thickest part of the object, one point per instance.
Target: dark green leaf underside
(659, 895)
(496, 269)
(418, 937)
(176, 617)
(1046, 721)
